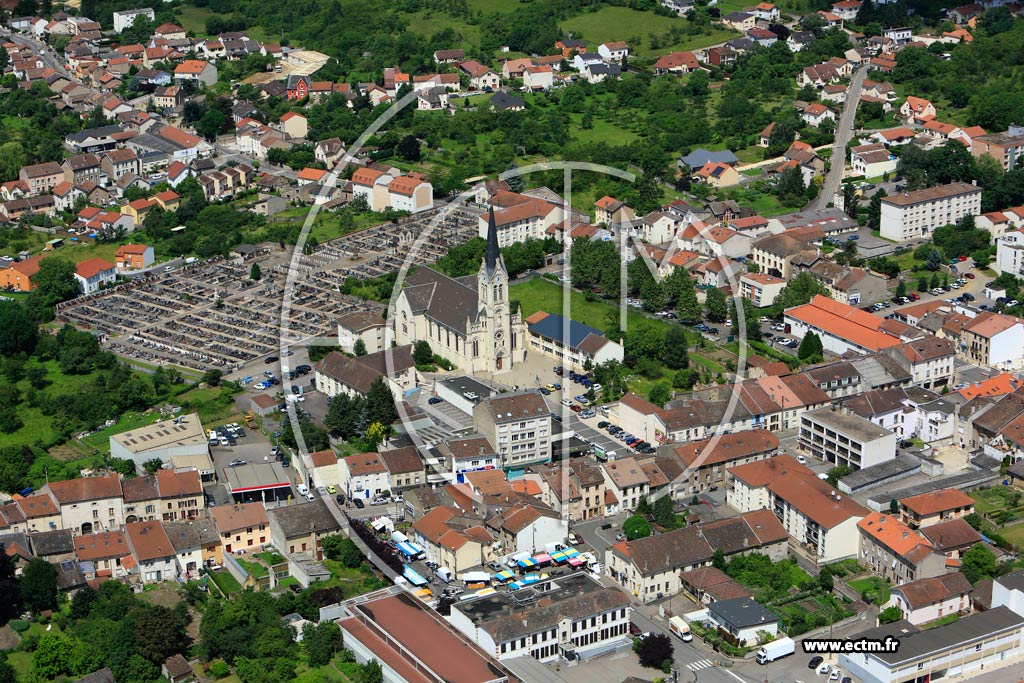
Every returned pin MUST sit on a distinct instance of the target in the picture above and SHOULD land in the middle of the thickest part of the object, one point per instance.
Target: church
(467, 320)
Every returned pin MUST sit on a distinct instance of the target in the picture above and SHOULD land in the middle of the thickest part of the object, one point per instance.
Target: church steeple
(492, 254)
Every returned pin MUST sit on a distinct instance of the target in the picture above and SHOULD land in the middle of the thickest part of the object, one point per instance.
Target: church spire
(492, 254)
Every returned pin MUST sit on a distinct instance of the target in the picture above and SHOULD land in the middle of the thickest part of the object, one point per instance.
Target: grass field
(876, 588)
(227, 583)
(429, 22)
(540, 294)
(100, 440)
(622, 23)
(22, 663)
(601, 131)
(193, 18)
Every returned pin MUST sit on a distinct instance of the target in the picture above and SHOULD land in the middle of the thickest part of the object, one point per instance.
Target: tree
(675, 348)
(371, 673)
(343, 549)
(409, 148)
(660, 393)
(791, 185)
(18, 332)
(10, 606)
(422, 354)
(359, 348)
(55, 281)
(53, 656)
(636, 527)
(687, 306)
(715, 305)
(837, 473)
(875, 209)
(825, 579)
(321, 642)
(254, 272)
(159, 632)
(380, 403)
(211, 125)
(934, 261)
(7, 672)
(901, 289)
(894, 506)
(344, 415)
(39, 585)
(810, 347)
(889, 615)
(978, 563)
(718, 560)
(664, 512)
(643, 506)
(654, 650)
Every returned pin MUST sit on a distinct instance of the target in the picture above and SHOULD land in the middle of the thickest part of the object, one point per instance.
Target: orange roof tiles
(846, 322)
(934, 502)
(891, 533)
(92, 267)
(191, 66)
(1000, 385)
(313, 174)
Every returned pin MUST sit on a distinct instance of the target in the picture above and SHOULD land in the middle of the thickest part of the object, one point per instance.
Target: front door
(498, 363)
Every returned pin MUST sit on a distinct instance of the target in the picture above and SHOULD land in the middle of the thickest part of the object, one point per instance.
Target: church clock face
(498, 335)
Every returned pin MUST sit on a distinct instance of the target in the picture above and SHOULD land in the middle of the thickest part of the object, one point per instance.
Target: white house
(926, 600)
(613, 52)
(93, 274)
(363, 475)
(152, 550)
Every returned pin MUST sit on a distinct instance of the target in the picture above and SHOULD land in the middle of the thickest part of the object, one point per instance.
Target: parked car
(815, 662)
(434, 400)
(237, 462)
(271, 359)
(358, 502)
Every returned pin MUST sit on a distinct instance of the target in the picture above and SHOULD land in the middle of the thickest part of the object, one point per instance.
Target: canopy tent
(412, 576)
(504, 576)
(475, 577)
(542, 559)
(575, 562)
(526, 563)
(410, 550)
(559, 558)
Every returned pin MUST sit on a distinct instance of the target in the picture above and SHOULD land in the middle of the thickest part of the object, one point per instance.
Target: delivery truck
(680, 628)
(777, 649)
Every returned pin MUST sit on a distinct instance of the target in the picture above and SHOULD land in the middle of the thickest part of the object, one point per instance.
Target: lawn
(621, 23)
(22, 663)
(100, 441)
(193, 18)
(540, 294)
(430, 22)
(601, 131)
(227, 583)
(876, 589)
(707, 363)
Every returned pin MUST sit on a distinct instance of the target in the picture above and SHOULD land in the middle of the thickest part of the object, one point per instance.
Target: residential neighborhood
(523, 342)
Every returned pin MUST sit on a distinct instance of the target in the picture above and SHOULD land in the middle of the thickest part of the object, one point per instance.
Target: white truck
(777, 649)
(680, 628)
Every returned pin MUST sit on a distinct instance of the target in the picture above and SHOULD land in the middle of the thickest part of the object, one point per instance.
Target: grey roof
(850, 425)
(506, 616)
(502, 100)
(57, 542)
(155, 143)
(444, 300)
(876, 372)
(868, 476)
(962, 481)
(104, 675)
(553, 327)
(101, 132)
(698, 157)
(741, 613)
(955, 635)
(192, 533)
(1012, 581)
(303, 519)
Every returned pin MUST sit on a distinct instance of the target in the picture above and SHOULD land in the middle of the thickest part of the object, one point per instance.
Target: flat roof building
(258, 481)
(572, 617)
(845, 439)
(181, 442)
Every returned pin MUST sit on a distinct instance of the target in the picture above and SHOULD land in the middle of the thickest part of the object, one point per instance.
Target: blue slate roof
(553, 327)
(699, 157)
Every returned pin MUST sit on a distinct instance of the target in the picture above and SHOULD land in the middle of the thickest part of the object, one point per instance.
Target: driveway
(844, 131)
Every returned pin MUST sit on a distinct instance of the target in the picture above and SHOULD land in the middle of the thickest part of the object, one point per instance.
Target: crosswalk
(702, 664)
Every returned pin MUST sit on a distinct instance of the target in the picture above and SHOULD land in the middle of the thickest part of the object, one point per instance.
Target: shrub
(18, 625)
(219, 669)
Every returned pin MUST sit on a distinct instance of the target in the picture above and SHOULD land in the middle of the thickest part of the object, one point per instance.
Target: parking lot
(210, 315)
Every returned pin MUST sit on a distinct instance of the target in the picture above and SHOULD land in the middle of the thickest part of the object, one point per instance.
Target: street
(844, 131)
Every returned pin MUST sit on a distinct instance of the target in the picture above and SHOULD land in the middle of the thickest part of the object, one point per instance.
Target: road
(844, 131)
(49, 58)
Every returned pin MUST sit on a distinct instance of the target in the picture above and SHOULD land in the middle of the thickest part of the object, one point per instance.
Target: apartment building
(929, 360)
(894, 551)
(845, 439)
(649, 568)
(519, 426)
(820, 522)
(574, 489)
(41, 178)
(1006, 147)
(761, 288)
(995, 340)
(707, 461)
(626, 480)
(575, 618)
(917, 214)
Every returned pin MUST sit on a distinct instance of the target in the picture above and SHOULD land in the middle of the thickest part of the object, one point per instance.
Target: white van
(566, 402)
(680, 628)
(303, 490)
